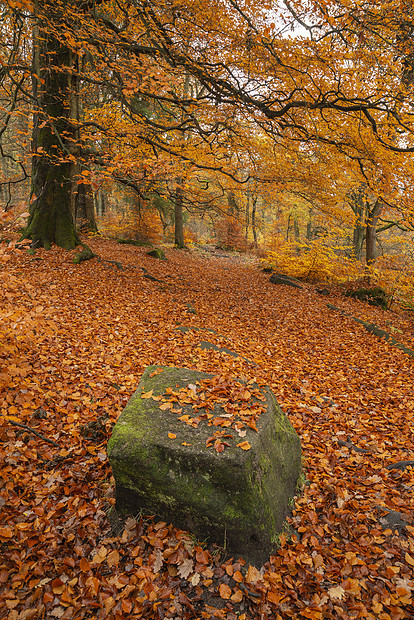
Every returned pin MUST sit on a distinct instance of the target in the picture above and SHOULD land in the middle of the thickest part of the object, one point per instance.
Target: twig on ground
(32, 430)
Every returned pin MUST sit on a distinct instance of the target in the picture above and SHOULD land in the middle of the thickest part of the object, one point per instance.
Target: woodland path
(76, 339)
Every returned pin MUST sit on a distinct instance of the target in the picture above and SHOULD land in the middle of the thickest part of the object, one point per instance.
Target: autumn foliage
(229, 233)
(143, 227)
(75, 341)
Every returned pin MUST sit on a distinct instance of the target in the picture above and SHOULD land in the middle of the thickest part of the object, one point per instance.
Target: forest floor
(75, 340)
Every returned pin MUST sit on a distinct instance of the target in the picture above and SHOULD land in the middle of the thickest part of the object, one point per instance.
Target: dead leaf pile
(75, 341)
(239, 402)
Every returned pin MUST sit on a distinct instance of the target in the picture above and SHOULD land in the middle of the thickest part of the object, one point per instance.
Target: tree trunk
(50, 218)
(247, 217)
(82, 204)
(100, 203)
(232, 204)
(178, 217)
(84, 211)
(288, 227)
(359, 233)
(296, 230)
(371, 231)
(254, 204)
(309, 226)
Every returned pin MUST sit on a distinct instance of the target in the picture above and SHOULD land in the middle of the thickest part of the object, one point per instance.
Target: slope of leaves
(75, 341)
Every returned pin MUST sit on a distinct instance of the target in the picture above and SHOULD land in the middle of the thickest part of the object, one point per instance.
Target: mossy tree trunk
(53, 139)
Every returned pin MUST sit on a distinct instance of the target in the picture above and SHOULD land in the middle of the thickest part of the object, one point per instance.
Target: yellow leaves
(172, 435)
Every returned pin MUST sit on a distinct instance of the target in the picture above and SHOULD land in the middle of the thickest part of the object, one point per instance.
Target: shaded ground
(76, 339)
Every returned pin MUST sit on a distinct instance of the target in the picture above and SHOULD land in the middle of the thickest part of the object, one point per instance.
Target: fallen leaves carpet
(75, 340)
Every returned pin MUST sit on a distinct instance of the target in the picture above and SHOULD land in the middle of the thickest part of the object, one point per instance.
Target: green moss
(375, 296)
(157, 253)
(86, 254)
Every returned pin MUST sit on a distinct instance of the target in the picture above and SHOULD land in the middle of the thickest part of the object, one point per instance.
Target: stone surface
(375, 296)
(236, 499)
(277, 278)
(157, 253)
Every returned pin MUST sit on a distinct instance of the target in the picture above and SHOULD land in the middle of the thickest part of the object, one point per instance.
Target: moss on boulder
(157, 253)
(236, 499)
(375, 296)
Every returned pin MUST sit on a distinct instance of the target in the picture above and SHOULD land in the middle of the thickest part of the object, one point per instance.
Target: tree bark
(359, 233)
(53, 139)
(178, 217)
(233, 207)
(254, 205)
(82, 203)
(84, 211)
(309, 226)
(371, 231)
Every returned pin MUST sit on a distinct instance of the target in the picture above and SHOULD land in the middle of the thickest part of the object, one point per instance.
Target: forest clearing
(76, 339)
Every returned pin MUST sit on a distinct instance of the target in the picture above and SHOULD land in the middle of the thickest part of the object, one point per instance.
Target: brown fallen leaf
(185, 568)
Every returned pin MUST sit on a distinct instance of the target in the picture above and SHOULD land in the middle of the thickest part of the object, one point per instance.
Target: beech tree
(54, 134)
(345, 84)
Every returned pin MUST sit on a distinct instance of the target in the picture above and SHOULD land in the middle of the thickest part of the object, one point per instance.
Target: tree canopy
(142, 91)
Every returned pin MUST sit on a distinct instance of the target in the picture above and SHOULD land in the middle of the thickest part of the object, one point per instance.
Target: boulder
(375, 296)
(157, 253)
(237, 499)
(277, 278)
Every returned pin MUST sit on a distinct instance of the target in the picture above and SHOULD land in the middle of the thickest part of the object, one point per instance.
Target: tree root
(86, 254)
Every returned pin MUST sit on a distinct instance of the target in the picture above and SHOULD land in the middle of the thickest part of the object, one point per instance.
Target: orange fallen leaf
(237, 597)
(84, 565)
(409, 559)
(172, 435)
(225, 591)
(113, 558)
(253, 575)
(244, 445)
(237, 576)
(147, 394)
